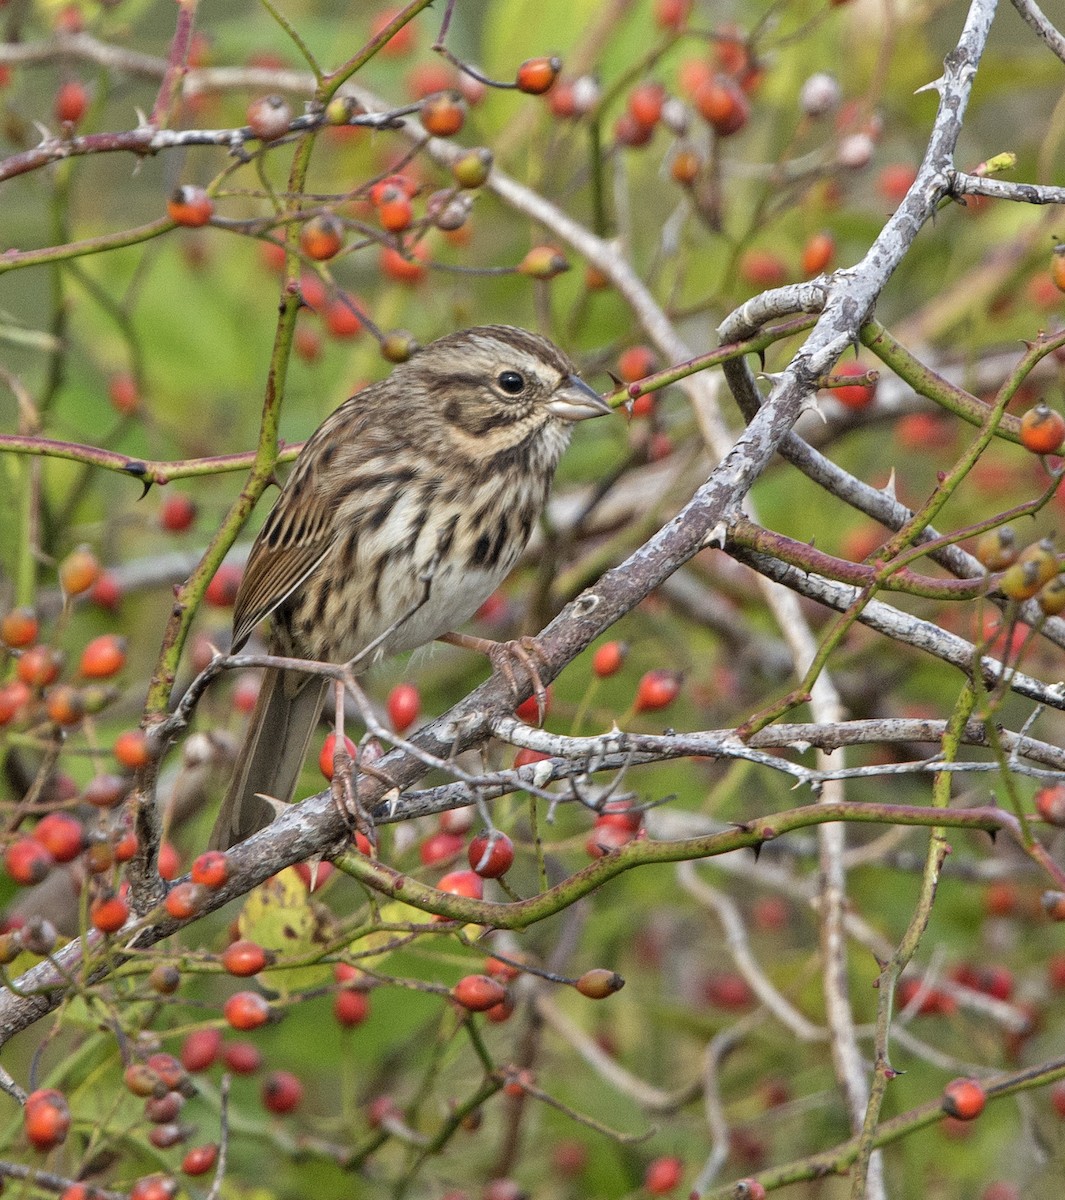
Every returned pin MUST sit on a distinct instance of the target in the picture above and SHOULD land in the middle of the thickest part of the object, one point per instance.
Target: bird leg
(341, 786)
(503, 655)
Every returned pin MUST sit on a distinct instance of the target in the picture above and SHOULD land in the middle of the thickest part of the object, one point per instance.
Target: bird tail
(271, 759)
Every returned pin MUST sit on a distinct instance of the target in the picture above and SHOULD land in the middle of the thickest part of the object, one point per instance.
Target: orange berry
(71, 101)
(125, 847)
(637, 362)
(394, 210)
(599, 983)
(818, 252)
(79, 571)
(543, 262)
(536, 75)
(19, 627)
(46, 1119)
(672, 14)
(723, 105)
(645, 103)
(608, 658)
(246, 1010)
(444, 114)
(684, 166)
(103, 657)
(190, 206)
(404, 269)
(109, 913)
(462, 883)
(131, 749)
(65, 704)
(322, 237)
(895, 180)
(13, 698)
(1057, 267)
(964, 1099)
(427, 78)
(1042, 429)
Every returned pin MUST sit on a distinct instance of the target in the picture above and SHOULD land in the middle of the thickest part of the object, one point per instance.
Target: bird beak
(576, 401)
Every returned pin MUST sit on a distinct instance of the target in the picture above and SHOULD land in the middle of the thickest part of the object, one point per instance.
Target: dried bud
(820, 95)
(448, 211)
(855, 151)
(586, 93)
(676, 116)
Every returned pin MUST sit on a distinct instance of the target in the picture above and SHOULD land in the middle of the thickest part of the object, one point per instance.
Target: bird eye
(511, 382)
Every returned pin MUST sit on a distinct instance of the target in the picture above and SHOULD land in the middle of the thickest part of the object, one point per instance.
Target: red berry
(1057, 1098)
(637, 362)
(440, 847)
(663, 1175)
(762, 268)
(529, 711)
(478, 992)
(672, 14)
(964, 1099)
(394, 209)
(245, 958)
(341, 318)
(169, 861)
(190, 206)
(536, 75)
(491, 855)
(13, 697)
(404, 705)
(727, 990)
(402, 42)
(351, 1007)
(38, 666)
(462, 883)
(62, 835)
(606, 837)
(106, 591)
(19, 628)
(71, 101)
(178, 512)
(200, 1049)
(657, 689)
(200, 1159)
(225, 583)
(103, 657)
(184, 900)
(525, 756)
(895, 180)
(857, 395)
(645, 103)
(684, 166)
(123, 393)
(328, 752)
(242, 1058)
(404, 269)
(211, 869)
(246, 1010)
(27, 861)
(281, 1092)
(65, 704)
(154, 1187)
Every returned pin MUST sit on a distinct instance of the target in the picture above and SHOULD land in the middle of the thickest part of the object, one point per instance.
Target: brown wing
(295, 538)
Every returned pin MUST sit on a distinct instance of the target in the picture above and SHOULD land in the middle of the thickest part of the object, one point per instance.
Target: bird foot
(345, 794)
(503, 656)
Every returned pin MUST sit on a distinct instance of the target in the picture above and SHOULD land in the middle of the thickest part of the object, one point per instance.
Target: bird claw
(502, 655)
(346, 797)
